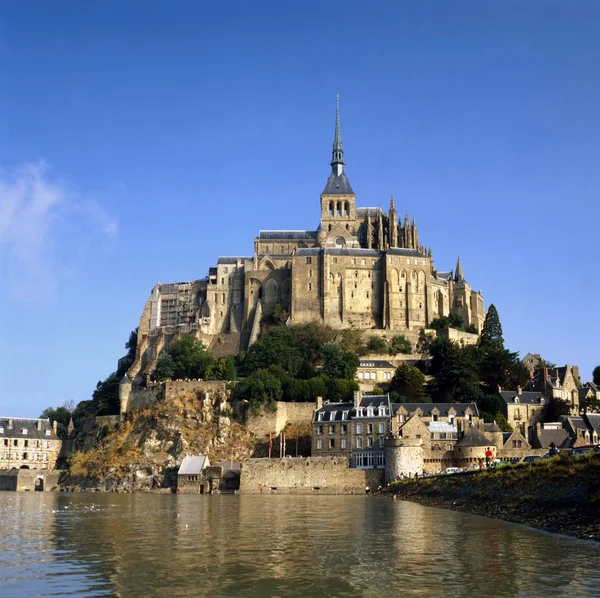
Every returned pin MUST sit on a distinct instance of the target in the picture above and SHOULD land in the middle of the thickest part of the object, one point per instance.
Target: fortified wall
(138, 398)
(312, 475)
(20, 480)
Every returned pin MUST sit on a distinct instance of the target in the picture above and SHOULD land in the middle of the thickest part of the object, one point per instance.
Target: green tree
(351, 340)
(224, 369)
(555, 409)
(453, 320)
(491, 335)
(165, 368)
(61, 415)
(502, 422)
(338, 363)
(408, 382)
(596, 375)
(454, 371)
(261, 389)
(377, 345)
(191, 358)
(424, 341)
(400, 344)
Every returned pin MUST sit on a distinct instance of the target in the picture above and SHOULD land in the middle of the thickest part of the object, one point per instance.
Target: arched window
(331, 208)
(346, 209)
(338, 210)
(402, 274)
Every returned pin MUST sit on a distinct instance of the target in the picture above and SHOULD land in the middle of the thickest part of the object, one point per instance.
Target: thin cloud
(44, 229)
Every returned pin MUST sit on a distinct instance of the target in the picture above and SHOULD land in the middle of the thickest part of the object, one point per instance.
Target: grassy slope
(559, 495)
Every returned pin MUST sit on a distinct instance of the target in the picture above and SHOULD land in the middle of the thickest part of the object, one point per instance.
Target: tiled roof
(30, 425)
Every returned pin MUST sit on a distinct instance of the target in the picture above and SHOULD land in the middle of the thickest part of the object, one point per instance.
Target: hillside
(145, 451)
(560, 495)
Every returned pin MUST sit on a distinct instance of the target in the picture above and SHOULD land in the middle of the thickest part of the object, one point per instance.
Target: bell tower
(338, 201)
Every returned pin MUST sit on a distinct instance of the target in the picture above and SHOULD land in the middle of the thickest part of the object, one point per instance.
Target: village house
(558, 383)
(374, 372)
(523, 409)
(28, 443)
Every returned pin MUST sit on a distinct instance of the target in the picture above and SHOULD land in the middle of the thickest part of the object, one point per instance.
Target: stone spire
(337, 155)
(459, 275)
(415, 234)
(393, 233)
(369, 230)
(380, 236)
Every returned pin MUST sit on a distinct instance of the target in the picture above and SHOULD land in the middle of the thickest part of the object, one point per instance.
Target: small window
(344, 443)
(363, 262)
(226, 269)
(310, 273)
(332, 443)
(310, 286)
(319, 443)
(282, 249)
(309, 260)
(335, 260)
(359, 442)
(344, 428)
(222, 280)
(372, 262)
(331, 429)
(359, 428)
(381, 428)
(319, 428)
(48, 432)
(1, 430)
(24, 431)
(354, 261)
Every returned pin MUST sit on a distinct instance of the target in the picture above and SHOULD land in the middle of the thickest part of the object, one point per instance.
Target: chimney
(319, 402)
(545, 375)
(556, 372)
(39, 424)
(531, 374)
(55, 427)
(499, 388)
(357, 398)
(519, 391)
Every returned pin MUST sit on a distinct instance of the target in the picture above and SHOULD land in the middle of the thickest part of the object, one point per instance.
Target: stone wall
(21, 480)
(273, 422)
(458, 336)
(138, 398)
(402, 459)
(312, 475)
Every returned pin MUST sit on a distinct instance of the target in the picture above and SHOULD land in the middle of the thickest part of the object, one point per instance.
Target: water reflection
(151, 545)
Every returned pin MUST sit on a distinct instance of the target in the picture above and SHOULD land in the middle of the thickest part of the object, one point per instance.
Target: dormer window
(359, 412)
(400, 418)
(344, 415)
(370, 412)
(24, 431)
(542, 401)
(516, 399)
(1, 430)
(332, 416)
(320, 417)
(48, 432)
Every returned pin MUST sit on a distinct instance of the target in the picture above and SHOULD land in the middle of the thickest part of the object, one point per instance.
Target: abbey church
(361, 268)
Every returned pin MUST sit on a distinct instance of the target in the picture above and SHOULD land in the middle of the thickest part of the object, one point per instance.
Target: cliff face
(561, 494)
(145, 451)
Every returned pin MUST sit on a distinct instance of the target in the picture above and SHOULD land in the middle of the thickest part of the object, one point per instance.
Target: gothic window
(338, 208)
(346, 208)
(331, 208)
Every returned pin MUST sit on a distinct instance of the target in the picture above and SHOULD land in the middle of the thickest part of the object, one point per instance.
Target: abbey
(361, 268)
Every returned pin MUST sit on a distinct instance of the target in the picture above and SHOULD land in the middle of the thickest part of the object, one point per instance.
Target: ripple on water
(156, 545)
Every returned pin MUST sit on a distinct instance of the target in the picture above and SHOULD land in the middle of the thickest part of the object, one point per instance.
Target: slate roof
(443, 408)
(268, 235)
(193, 465)
(230, 259)
(594, 421)
(375, 401)
(578, 423)
(338, 185)
(559, 436)
(375, 363)
(374, 212)
(525, 398)
(29, 424)
(404, 251)
(494, 427)
(357, 251)
(474, 437)
(308, 251)
(333, 412)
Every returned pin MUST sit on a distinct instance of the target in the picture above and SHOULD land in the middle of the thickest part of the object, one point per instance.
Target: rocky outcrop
(144, 451)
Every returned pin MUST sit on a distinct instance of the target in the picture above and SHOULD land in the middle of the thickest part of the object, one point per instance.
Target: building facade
(28, 443)
(361, 268)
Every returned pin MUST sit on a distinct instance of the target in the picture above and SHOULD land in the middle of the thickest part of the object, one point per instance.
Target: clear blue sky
(141, 140)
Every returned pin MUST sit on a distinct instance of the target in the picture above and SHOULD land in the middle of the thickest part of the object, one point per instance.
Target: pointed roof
(392, 205)
(338, 185)
(459, 274)
(473, 438)
(337, 154)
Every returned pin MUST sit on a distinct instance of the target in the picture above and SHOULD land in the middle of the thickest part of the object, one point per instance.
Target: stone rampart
(21, 480)
(458, 336)
(139, 398)
(273, 422)
(312, 475)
